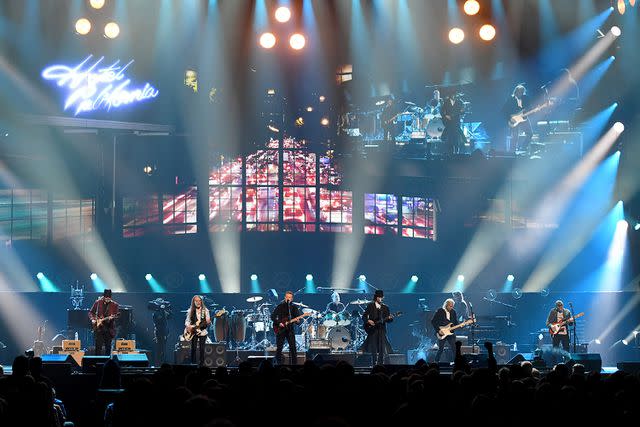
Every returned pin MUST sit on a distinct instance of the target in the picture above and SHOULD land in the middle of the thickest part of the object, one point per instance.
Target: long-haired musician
(444, 316)
(197, 321)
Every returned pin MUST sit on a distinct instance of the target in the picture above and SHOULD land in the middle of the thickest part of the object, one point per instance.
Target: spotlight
(632, 3)
(148, 276)
(487, 32)
(83, 26)
(299, 122)
(414, 278)
(148, 170)
(254, 277)
(625, 342)
(96, 4)
(111, 30)
(201, 277)
(267, 40)
(460, 278)
(93, 276)
(622, 223)
(309, 277)
(618, 127)
(544, 292)
(297, 41)
(456, 35)
(597, 341)
(471, 7)
(621, 7)
(510, 278)
(309, 109)
(615, 30)
(40, 275)
(362, 278)
(271, 92)
(324, 121)
(516, 293)
(322, 98)
(283, 14)
(637, 226)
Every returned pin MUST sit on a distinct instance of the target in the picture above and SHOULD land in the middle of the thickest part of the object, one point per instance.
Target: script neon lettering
(92, 86)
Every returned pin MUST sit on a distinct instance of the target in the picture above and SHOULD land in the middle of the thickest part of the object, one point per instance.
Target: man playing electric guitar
(196, 324)
(561, 316)
(284, 317)
(103, 314)
(518, 103)
(375, 317)
(444, 322)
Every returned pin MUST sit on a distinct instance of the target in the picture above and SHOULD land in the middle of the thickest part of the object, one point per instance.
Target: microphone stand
(575, 332)
(473, 329)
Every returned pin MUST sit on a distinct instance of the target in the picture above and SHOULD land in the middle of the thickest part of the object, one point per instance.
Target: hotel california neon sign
(93, 86)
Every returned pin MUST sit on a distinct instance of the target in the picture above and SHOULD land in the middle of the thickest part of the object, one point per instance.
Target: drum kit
(252, 329)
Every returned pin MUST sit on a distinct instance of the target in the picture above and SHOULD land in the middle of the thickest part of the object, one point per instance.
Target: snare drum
(343, 319)
(330, 319)
(339, 338)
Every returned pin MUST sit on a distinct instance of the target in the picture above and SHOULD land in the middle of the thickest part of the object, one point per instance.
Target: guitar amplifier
(125, 345)
(71, 345)
(319, 344)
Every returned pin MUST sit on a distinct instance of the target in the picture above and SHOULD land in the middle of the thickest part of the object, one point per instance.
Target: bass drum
(435, 128)
(339, 338)
(237, 326)
(221, 328)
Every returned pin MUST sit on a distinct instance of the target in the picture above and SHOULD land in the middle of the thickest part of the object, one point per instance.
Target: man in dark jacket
(375, 318)
(281, 317)
(444, 316)
(560, 314)
(103, 315)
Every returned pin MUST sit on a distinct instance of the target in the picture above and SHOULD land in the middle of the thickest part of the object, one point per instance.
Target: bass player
(444, 322)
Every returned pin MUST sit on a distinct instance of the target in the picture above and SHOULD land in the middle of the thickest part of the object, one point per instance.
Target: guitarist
(197, 321)
(281, 316)
(443, 317)
(102, 315)
(517, 103)
(375, 317)
(560, 314)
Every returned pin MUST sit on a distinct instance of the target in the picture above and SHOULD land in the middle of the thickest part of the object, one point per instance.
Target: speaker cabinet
(502, 353)
(215, 355)
(139, 360)
(93, 363)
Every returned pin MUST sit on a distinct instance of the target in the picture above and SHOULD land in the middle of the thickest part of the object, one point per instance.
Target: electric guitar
(277, 328)
(555, 327)
(195, 330)
(445, 331)
(99, 321)
(520, 117)
(369, 327)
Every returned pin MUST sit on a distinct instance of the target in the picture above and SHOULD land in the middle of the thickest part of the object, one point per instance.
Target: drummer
(335, 305)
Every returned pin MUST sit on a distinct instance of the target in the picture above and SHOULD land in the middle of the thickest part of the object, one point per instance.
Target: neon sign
(92, 86)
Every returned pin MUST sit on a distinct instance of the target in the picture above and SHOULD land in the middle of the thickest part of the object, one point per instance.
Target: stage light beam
(111, 30)
(267, 40)
(297, 41)
(471, 7)
(282, 14)
(83, 26)
(487, 32)
(96, 4)
(456, 35)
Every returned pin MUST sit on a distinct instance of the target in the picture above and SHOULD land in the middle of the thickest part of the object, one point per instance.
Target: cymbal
(359, 302)
(254, 299)
(409, 103)
(299, 304)
(308, 310)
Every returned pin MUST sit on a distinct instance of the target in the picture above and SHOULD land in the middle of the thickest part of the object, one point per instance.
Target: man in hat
(103, 314)
(375, 317)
